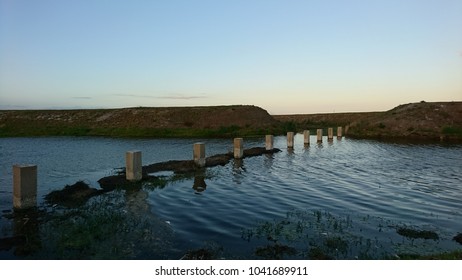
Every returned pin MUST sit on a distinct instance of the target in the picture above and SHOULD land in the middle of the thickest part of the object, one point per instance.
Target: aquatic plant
(111, 226)
(323, 235)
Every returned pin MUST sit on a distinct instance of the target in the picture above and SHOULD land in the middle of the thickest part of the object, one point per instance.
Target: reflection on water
(336, 199)
(25, 229)
(199, 183)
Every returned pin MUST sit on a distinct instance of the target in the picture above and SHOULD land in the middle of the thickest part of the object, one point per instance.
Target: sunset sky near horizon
(287, 57)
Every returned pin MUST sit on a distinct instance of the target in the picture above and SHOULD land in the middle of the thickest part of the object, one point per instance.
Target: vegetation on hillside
(216, 121)
(428, 121)
(424, 120)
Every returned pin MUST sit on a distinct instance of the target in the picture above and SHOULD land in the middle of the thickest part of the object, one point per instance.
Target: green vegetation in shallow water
(455, 255)
(210, 251)
(322, 235)
(275, 251)
(118, 225)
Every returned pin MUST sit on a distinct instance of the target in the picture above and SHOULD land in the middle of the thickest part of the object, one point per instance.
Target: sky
(287, 56)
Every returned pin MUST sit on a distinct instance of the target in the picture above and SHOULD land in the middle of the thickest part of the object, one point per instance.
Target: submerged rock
(110, 183)
(415, 234)
(221, 159)
(458, 238)
(258, 151)
(178, 166)
(187, 166)
(72, 194)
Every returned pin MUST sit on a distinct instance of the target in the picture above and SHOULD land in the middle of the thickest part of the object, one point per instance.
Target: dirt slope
(424, 120)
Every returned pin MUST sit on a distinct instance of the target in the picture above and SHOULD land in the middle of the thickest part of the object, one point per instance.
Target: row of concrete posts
(319, 135)
(25, 176)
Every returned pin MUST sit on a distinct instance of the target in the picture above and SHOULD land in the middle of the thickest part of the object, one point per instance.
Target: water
(346, 198)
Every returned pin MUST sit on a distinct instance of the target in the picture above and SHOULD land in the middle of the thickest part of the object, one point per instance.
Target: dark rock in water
(187, 166)
(415, 234)
(221, 159)
(9, 242)
(110, 183)
(177, 166)
(72, 195)
(258, 151)
(458, 238)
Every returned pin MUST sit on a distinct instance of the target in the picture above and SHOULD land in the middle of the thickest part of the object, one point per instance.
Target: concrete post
(306, 137)
(269, 142)
(339, 132)
(319, 135)
(330, 133)
(238, 148)
(133, 166)
(346, 129)
(199, 154)
(290, 140)
(24, 186)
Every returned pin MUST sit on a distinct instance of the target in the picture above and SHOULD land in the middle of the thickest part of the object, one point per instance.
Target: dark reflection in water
(268, 161)
(199, 183)
(238, 171)
(26, 231)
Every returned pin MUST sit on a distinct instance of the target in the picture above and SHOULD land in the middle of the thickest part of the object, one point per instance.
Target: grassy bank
(216, 121)
(32, 130)
(416, 121)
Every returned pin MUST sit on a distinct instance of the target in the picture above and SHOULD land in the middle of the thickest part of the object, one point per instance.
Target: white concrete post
(330, 133)
(339, 132)
(238, 148)
(319, 135)
(306, 137)
(133, 166)
(199, 154)
(269, 142)
(290, 140)
(24, 186)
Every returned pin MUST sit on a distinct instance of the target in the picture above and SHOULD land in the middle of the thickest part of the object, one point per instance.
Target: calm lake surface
(344, 199)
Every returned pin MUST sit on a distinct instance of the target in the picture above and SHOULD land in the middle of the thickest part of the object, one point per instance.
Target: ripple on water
(418, 185)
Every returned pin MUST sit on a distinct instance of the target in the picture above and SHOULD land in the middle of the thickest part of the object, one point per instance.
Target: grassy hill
(427, 121)
(300, 122)
(424, 120)
(214, 121)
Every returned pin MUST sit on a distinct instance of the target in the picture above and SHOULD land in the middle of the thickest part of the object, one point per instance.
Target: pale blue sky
(284, 56)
